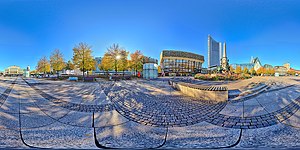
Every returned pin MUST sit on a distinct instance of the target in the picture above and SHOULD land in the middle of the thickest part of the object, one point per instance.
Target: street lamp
(117, 58)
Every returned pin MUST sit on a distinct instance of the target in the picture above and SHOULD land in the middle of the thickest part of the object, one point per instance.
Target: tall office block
(214, 53)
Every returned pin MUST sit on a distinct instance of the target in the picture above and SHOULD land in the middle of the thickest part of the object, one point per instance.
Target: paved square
(38, 113)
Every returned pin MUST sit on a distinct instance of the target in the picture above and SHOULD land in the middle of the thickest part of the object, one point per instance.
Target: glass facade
(181, 66)
(98, 62)
(267, 66)
(247, 65)
(181, 63)
(214, 52)
(254, 63)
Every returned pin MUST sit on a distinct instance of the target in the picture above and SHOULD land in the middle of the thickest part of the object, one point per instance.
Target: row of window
(180, 65)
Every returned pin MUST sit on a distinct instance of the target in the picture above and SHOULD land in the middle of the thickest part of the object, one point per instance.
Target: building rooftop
(176, 53)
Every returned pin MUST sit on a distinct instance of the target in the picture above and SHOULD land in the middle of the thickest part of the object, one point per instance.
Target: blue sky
(268, 29)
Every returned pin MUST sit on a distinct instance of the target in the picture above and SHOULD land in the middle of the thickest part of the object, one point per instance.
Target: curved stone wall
(213, 94)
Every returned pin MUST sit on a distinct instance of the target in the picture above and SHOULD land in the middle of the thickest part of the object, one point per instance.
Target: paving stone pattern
(142, 114)
(176, 111)
(173, 111)
(265, 90)
(5, 94)
(72, 106)
(255, 121)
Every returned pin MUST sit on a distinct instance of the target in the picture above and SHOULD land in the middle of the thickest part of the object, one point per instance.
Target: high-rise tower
(214, 53)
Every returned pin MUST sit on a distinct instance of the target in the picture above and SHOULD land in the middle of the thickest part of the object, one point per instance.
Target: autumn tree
(82, 58)
(291, 72)
(267, 71)
(33, 72)
(261, 71)
(252, 71)
(106, 63)
(245, 70)
(136, 61)
(238, 70)
(69, 65)
(123, 61)
(272, 72)
(57, 61)
(231, 69)
(117, 57)
(43, 65)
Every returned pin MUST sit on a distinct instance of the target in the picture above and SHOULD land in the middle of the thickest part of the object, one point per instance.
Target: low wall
(213, 94)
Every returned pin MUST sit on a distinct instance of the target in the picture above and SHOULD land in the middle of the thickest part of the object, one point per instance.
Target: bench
(73, 78)
(89, 79)
(127, 77)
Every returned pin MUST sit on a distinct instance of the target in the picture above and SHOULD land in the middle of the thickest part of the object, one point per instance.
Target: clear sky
(268, 29)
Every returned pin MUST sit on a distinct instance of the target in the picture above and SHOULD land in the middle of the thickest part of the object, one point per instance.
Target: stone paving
(38, 113)
(72, 106)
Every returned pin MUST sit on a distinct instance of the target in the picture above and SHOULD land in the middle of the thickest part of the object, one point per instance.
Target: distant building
(98, 62)
(254, 63)
(214, 53)
(13, 71)
(204, 71)
(150, 70)
(149, 60)
(280, 70)
(287, 66)
(180, 63)
(267, 66)
(245, 65)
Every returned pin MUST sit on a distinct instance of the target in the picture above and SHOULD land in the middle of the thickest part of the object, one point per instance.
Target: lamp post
(117, 58)
(83, 65)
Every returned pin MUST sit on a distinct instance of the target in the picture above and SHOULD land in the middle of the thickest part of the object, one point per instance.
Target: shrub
(218, 77)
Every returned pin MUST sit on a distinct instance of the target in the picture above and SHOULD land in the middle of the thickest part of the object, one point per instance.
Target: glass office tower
(214, 53)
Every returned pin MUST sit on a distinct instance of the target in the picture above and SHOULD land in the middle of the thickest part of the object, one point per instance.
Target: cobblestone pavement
(5, 94)
(171, 111)
(141, 114)
(160, 109)
(70, 105)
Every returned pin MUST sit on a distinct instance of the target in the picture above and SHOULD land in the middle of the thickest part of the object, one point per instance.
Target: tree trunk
(83, 75)
(57, 74)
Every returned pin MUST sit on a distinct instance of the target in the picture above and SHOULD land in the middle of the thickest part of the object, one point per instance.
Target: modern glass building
(214, 53)
(267, 66)
(245, 65)
(254, 63)
(180, 63)
(98, 62)
(150, 70)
